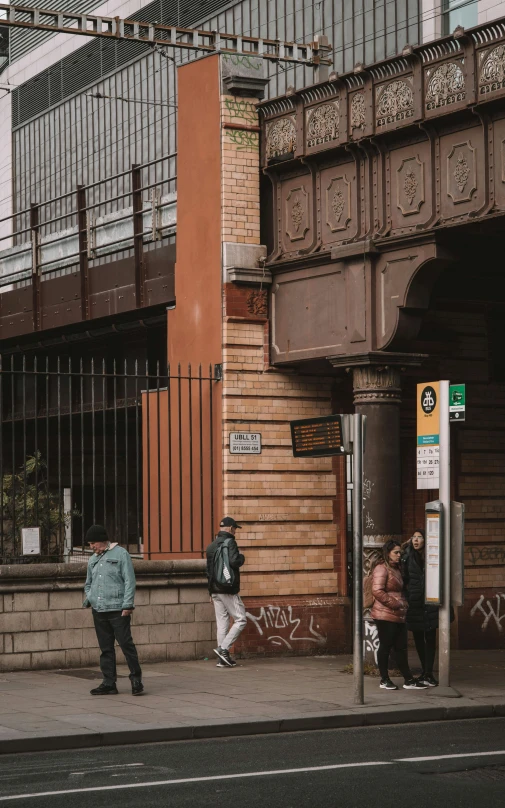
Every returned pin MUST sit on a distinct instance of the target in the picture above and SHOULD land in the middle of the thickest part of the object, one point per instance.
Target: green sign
(457, 402)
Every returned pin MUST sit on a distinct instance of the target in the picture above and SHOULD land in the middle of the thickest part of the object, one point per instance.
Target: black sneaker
(223, 665)
(224, 656)
(104, 690)
(414, 684)
(387, 684)
(428, 680)
(137, 687)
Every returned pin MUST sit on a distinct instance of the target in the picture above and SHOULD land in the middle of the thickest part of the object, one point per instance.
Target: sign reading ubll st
(30, 540)
(434, 552)
(457, 402)
(428, 435)
(245, 443)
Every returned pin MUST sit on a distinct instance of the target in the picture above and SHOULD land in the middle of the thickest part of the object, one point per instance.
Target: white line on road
(94, 769)
(448, 757)
(196, 780)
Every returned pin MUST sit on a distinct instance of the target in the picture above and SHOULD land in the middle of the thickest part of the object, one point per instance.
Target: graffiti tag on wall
(280, 627)
(489, 612)
(371, 641)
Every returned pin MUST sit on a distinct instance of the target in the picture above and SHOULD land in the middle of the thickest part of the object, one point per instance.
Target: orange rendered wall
(195, 325)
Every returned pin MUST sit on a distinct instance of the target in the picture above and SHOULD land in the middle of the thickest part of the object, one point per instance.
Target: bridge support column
(377, 394)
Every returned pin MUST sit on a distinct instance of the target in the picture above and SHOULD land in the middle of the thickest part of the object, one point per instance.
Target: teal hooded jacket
(110, 581)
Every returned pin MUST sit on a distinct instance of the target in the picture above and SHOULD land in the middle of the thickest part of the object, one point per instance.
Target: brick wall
(285, 504)
(50, 629)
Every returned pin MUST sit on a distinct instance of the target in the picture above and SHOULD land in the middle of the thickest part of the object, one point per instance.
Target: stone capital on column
(375, 384)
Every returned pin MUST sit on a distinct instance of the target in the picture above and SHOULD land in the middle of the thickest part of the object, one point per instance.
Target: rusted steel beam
(316, 54)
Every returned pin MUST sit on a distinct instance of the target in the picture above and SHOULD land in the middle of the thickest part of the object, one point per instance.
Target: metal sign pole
(444, 640)
(357, 509)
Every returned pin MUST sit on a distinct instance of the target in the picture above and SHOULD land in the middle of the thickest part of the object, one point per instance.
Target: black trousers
(426, 647)
(392, 636)
(110, 626)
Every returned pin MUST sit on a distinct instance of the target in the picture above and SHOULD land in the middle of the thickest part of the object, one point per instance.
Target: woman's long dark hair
(384, 556)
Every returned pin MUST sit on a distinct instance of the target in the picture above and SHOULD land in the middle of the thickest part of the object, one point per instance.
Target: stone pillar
(377, 394)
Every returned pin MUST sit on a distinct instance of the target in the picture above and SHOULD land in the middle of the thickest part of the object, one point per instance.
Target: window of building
(459, 12)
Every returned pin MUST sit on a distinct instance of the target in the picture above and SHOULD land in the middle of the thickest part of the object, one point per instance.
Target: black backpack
(222, 572)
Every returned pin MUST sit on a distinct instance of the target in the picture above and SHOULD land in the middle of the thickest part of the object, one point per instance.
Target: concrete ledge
(221, 728)
(43, 577)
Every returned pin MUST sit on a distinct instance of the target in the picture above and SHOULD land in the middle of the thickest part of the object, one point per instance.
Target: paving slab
(54, 710)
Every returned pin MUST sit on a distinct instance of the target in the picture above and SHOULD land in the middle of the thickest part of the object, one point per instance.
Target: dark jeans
(392, 636)
(426, 647)
(110, 626)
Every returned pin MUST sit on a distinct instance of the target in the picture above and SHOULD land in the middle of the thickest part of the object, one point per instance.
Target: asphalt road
(455, 763)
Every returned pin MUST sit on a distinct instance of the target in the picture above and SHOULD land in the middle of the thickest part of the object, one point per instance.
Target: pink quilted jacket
(389, 602)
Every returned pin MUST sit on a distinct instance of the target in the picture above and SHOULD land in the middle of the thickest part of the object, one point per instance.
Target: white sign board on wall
(245, 443)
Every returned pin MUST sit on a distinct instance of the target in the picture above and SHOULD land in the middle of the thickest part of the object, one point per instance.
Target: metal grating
(95, 59)
(23, 41)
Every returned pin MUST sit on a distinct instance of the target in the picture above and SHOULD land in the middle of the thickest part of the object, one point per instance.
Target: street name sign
(317, 437)
(245, 443)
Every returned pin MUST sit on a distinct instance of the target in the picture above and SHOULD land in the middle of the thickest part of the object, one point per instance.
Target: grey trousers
(226, 607)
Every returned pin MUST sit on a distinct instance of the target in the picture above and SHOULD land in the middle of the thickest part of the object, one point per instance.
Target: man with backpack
(223, 572)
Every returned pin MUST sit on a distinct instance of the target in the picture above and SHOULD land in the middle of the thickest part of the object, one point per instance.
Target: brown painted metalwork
(373, 175)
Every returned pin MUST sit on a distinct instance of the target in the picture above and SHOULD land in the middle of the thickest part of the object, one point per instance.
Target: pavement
(44, 710)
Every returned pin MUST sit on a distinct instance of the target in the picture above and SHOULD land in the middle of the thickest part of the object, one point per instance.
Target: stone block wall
(47, 627)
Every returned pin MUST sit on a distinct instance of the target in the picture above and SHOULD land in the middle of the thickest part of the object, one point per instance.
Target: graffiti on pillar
(371, 641)
(243, 139)
(490, 612)
(280, 627)
(245, 110)
(243, 61)
(367, 488)
(367, 493)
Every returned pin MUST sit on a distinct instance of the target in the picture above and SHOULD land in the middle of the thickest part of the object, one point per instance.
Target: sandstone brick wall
(50, 629)
(285, 504)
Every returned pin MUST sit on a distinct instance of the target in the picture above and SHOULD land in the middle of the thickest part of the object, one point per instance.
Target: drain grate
(481, 774)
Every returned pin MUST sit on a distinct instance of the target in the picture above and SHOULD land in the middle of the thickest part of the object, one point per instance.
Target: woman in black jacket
(422, 619)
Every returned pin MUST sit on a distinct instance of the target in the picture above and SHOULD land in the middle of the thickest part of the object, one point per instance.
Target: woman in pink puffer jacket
(389, 611)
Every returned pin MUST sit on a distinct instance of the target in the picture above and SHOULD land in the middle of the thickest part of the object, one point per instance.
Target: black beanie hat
(96, 533)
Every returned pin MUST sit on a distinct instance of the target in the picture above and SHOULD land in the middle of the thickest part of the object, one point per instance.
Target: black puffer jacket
(236, 561)
(420, 616)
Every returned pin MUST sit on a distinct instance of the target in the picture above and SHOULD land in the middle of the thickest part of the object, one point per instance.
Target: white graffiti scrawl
(275, 617)
(371, 641)
(489, 611)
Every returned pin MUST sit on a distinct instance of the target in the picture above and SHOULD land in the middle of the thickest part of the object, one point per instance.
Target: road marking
(449, 757)
(104, 768)
(197, 779)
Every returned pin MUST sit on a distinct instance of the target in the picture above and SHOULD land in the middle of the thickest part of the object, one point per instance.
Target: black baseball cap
(229, 522)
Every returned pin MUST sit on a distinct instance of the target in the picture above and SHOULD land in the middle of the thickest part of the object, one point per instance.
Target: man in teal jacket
(110, 592)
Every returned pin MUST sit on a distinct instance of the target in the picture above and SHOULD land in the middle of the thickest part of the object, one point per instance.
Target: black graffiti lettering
(491, 554)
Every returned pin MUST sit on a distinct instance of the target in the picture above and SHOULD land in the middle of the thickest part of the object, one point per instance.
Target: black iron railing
(130, 447)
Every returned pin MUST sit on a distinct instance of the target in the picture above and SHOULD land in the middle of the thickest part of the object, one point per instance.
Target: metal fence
(87, 442)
